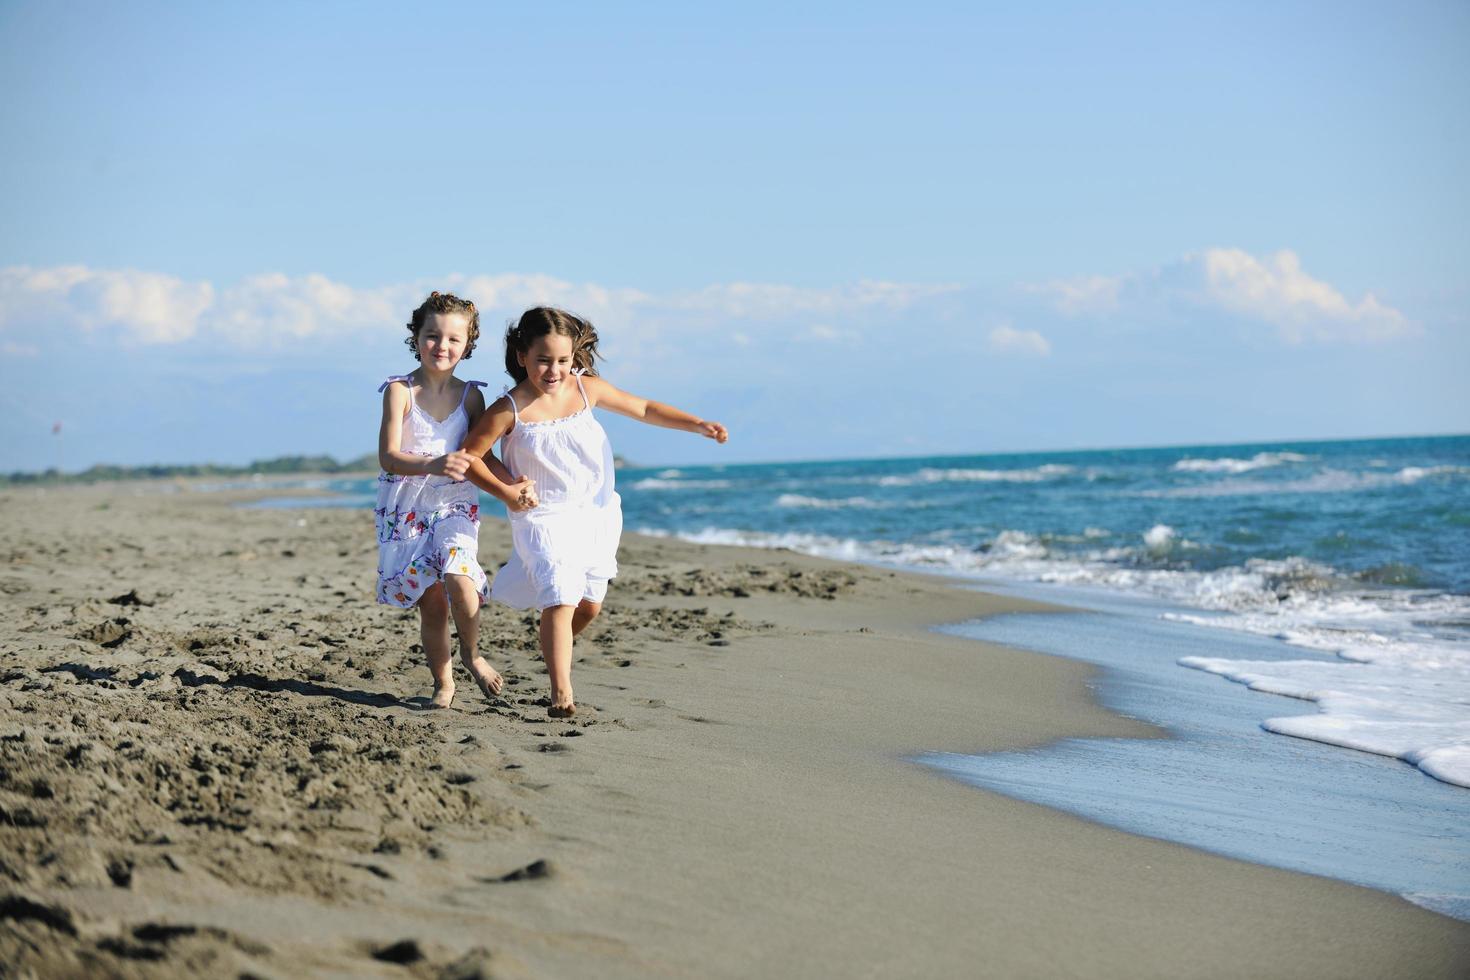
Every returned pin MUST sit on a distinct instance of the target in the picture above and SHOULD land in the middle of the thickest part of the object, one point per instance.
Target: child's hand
(525, 496)
(713, 430)
(529, 493)
(453, 465)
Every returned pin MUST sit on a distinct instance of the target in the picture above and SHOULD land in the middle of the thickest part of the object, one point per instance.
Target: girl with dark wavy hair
(565, 547)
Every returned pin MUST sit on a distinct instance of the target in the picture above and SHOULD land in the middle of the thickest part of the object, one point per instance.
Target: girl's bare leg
(434, 633)
(556, 650)
(464, 602)
(587, 611)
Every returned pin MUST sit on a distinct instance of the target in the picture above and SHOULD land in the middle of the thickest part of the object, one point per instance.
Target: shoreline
(1222, 782)
(745, 807)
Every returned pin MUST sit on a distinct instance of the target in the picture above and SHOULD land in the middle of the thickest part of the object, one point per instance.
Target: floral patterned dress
(428, 526)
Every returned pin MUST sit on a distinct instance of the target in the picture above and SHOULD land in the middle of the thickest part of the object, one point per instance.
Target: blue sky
(844, 230)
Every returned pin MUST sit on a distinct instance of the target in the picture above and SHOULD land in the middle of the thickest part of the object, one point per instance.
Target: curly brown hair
(542, 320)
(444, 303)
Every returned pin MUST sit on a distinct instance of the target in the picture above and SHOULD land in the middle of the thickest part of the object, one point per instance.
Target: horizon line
(637, 465)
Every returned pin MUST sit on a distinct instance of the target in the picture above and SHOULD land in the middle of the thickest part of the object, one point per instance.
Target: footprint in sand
(540, 868)
(19, 907)
(404, 952)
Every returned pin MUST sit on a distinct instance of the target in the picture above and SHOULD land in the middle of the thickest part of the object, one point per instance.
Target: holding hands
(520, 492)
(524, 496)
(453, 465)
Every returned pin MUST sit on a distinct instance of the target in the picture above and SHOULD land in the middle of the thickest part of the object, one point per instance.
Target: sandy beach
(216, 759)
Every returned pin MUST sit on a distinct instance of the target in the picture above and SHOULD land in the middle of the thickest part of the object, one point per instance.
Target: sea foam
(1229, 464)
(1324, 481)
(928, 474)
(1159, 537)
(822, 503)
(1390, 686)
(1413, 474)
(655, 483)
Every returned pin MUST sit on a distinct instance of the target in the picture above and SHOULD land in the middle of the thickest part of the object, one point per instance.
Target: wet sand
(216, 759)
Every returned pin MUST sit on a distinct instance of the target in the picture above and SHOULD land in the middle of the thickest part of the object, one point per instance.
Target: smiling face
(548, 362)
(442, 340)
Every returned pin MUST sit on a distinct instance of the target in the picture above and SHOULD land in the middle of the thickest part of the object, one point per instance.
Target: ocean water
(1297, 615)
(1356, 554)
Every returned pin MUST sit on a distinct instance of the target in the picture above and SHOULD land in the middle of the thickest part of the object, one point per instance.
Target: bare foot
(561, 710)
(486, 677)
(443, 695)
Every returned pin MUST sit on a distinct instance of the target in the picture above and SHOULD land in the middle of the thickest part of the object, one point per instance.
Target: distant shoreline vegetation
(366, 463)
(265, 467)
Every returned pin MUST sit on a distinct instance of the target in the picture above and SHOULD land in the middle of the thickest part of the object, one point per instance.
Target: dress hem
(482, 589)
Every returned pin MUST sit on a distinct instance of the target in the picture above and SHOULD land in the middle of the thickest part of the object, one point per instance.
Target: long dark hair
(539, 322)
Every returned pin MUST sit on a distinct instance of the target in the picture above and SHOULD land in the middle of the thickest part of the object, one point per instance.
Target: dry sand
(215, 760)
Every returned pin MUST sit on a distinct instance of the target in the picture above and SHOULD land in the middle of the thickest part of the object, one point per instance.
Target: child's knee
(552, 614)
(461, 590)
(433, 601)
(588, 610)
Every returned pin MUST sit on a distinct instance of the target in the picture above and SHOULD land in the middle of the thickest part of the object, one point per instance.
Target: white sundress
(565, 548)
(428, 526)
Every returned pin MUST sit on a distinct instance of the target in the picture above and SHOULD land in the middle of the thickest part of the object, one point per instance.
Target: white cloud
(823, 331)
(1273, 289)
(144, 306)
(1086, 294)
(510, 293)
(767, 301)
(1006, 339)
(265, 310)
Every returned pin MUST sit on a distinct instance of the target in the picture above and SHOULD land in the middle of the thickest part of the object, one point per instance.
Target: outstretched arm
(485, 470)
(603, 394)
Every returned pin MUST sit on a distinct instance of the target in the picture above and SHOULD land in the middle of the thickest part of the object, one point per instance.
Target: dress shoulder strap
(407, 380)
(466, 393)
(577, 373)
(511, 398)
